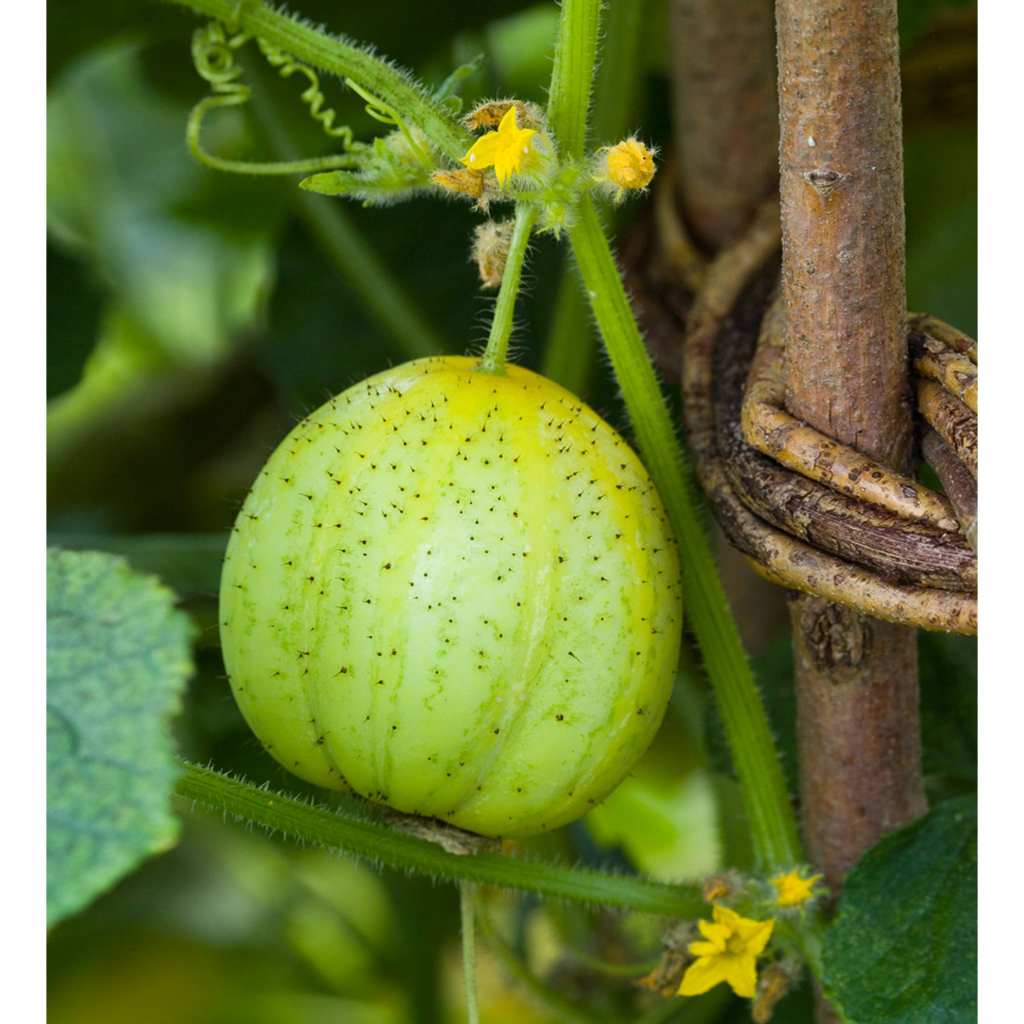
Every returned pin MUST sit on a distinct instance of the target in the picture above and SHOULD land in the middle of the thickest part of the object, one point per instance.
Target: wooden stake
(841, 170)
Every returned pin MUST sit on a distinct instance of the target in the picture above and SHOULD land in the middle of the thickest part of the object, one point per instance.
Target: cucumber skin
(456, 594)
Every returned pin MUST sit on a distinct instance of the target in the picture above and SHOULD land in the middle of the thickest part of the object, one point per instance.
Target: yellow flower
(733, 945)
(793, 890)
(507, 150)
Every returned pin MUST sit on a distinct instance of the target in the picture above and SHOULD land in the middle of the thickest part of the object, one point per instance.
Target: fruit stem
(501, 327)
(467, 895)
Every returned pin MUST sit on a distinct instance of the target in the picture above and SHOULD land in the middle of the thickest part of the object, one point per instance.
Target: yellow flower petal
(741, 974)
(725, 916)
(705, 974)
(730, 954)
(755, 936)
(507, 150)
(716, 934)
(483, 152)
(706, 948)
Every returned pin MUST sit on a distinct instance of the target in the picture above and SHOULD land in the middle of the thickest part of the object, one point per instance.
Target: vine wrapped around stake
(795, 517)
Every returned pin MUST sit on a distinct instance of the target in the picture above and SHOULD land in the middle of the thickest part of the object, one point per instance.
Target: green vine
(340, 56)
(213, 55)
(572, 74)
(339, 832)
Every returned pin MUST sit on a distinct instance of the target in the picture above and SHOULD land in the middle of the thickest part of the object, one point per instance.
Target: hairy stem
(347, 833)
(773, 827)
(572, 341)
(342, 57)
(572, 75)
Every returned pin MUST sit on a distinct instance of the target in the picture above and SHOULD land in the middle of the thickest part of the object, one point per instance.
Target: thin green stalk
(572, 74)
(344, 58)
(337, 831)
(772, 824)
(467, 897)
(612, 970)
(572, 341)
(501, 326)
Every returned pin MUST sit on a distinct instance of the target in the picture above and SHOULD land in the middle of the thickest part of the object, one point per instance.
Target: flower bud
(773, 984)
(488, 115)
(490, 250)
(627, 165)
(722, 887)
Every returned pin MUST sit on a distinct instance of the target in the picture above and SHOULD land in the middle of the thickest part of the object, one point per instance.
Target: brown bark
(858, 734)
(952, 420)
(847, 376)
(843, 240)
(958, 483)
(725, 112)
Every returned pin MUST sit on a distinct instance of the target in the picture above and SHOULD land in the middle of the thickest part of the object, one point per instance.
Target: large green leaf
(903, 948)
(118, 656)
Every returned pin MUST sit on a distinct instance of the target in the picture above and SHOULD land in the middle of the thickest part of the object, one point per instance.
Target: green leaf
(117, 660)
(903, 948)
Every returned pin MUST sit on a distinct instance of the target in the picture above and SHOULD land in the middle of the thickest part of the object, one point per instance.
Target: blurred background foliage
(193, 318)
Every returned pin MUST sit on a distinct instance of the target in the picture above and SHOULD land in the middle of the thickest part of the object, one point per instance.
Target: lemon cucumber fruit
(457, 594)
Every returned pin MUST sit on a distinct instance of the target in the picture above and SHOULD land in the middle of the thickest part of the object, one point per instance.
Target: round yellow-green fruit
(457, 594)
